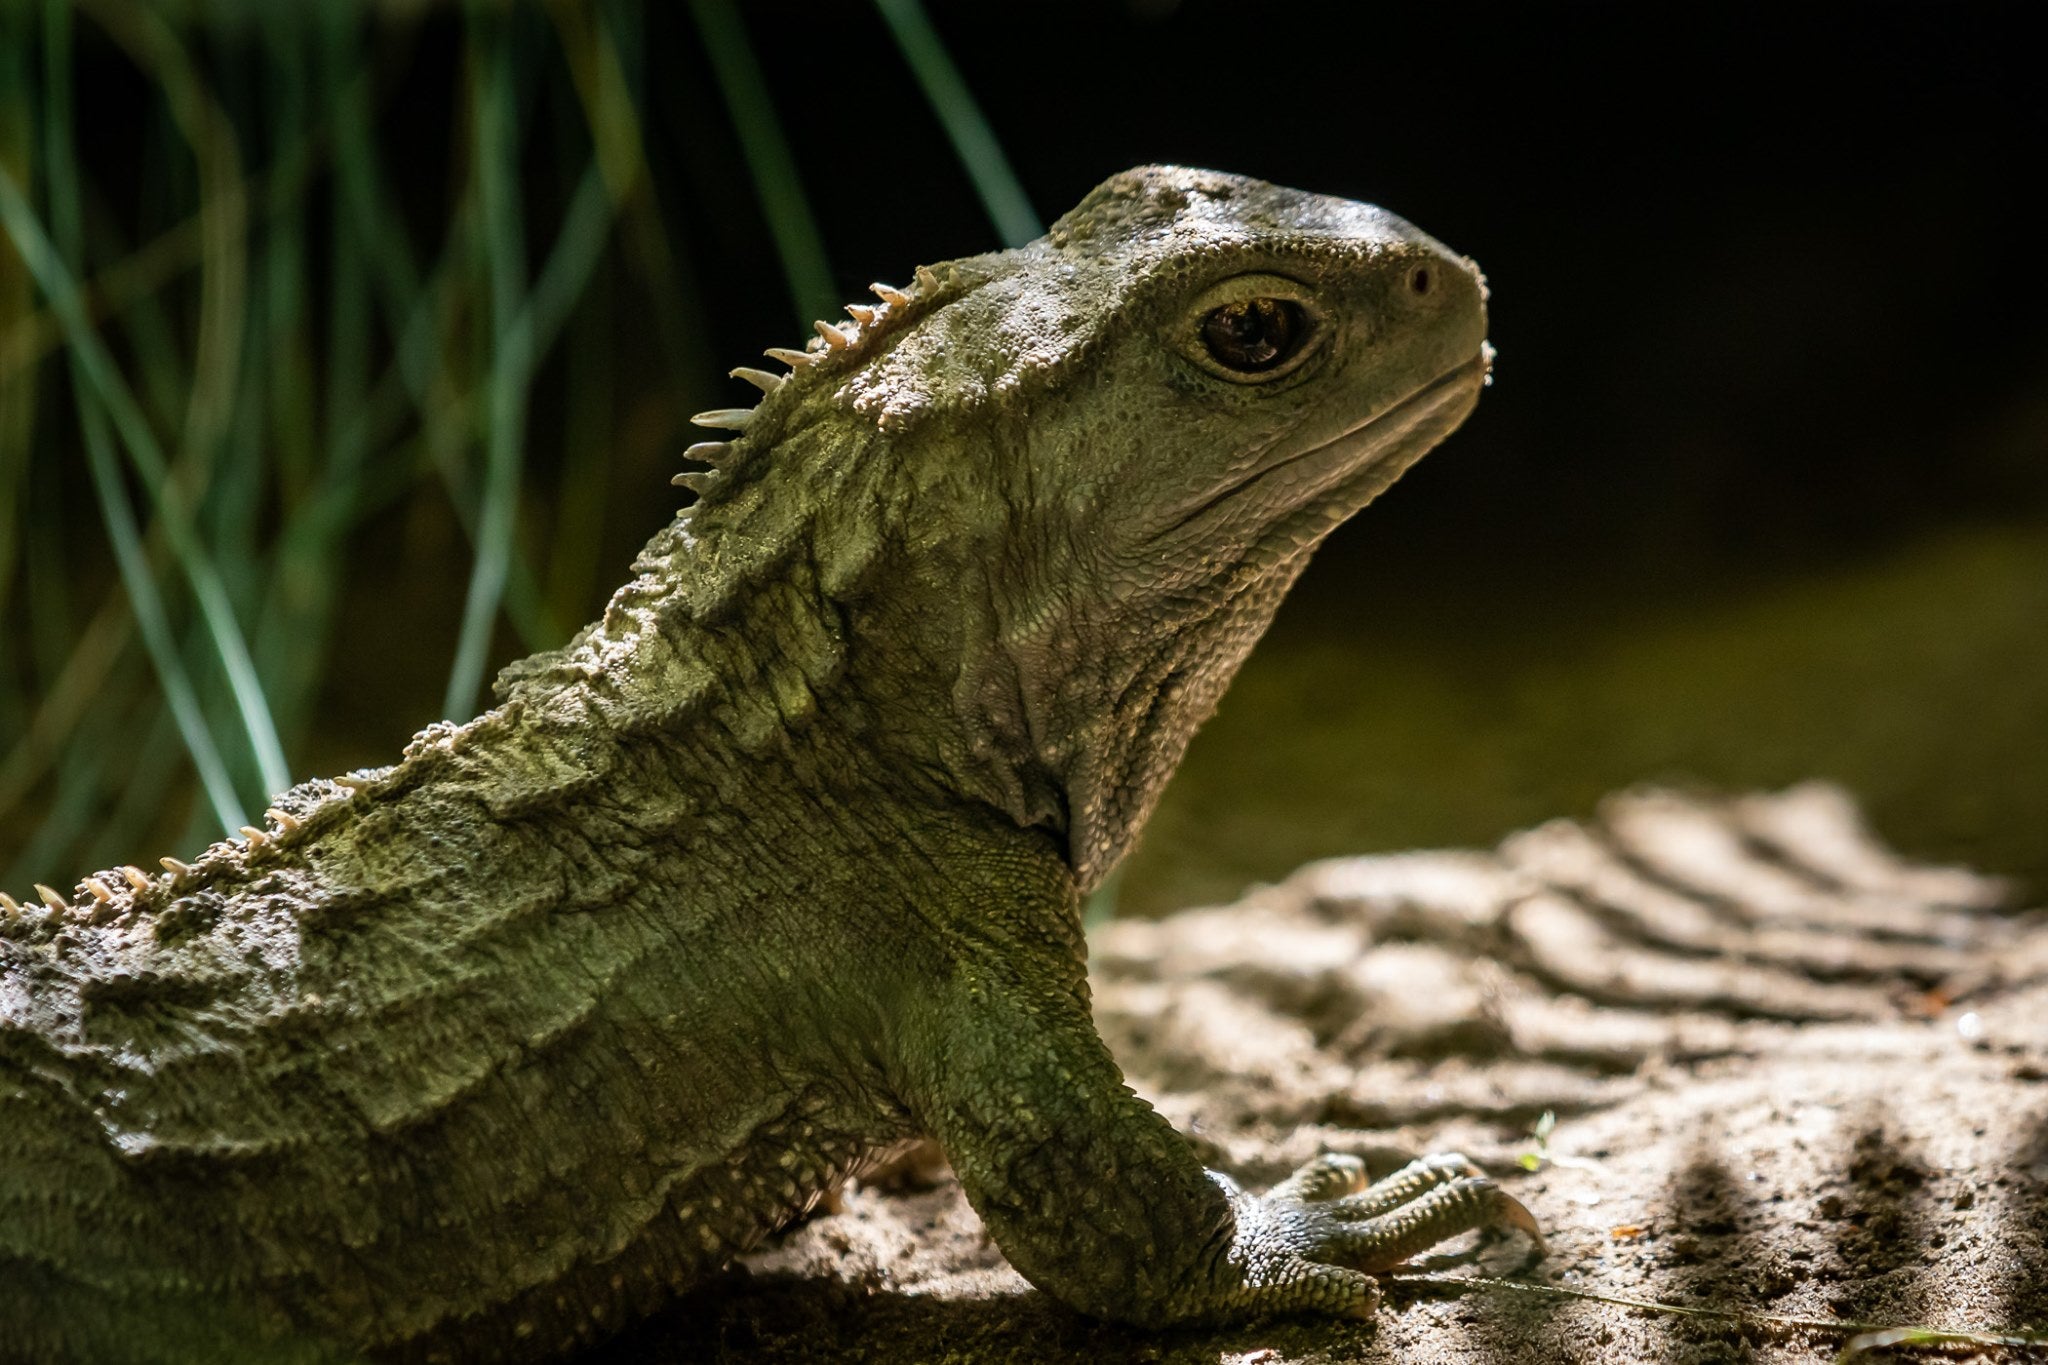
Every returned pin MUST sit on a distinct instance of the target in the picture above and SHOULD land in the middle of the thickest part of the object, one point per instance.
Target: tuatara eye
(1252, 336)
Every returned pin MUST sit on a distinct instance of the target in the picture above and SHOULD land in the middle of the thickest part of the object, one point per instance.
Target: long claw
(1513, 1213)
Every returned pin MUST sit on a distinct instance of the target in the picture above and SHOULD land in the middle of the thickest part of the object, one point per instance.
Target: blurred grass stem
(1002, 194)
(769, 161)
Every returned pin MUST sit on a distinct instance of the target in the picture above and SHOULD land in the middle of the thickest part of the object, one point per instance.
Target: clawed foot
(1313, 1241)
(1379, 1225)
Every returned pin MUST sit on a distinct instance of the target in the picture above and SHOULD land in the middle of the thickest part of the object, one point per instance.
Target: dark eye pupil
(1254, 334)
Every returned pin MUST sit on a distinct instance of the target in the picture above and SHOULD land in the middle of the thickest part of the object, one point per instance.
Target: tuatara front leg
(1096, 1200)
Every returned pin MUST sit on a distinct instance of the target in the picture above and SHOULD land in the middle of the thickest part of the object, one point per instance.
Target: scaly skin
(776, 865)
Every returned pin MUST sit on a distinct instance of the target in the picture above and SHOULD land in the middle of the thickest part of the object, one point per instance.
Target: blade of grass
(219, 473)
(291, 432)
(590, 48)
(65, 700)
(217, 352)
(974, 141)
(76, 796)
(17, 305)
(149, 612)
(525, 328)
(497, 172)
(96, 373)
(124, 703)
(117, 286)
(335, 505)
(140, 797)
(600, 80)
(238, 478)
(520, 345)
(130, 281)
(648, 239)
(156, 365)
(418, 311)
(360, 193)
(578, 248)
(320, 496)
(90, 394)
(766, 151)
(588, 430)
(52, 623)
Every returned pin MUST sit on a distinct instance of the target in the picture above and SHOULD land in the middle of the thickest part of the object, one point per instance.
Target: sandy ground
(1791, 1075)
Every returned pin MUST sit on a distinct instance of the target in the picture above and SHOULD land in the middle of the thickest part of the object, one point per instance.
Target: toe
(1385, 1240)
(1332, 1175)
(1304, 1286)
(1406, 1185)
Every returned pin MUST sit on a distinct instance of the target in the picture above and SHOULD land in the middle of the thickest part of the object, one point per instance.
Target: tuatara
(775, 866)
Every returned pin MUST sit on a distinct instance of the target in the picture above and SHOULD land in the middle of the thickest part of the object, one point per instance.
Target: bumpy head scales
(1068, 484)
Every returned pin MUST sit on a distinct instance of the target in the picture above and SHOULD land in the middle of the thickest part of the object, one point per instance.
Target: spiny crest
(836, 348)
(107, 896)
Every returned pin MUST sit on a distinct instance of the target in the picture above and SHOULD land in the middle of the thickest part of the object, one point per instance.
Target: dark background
(1760, 492)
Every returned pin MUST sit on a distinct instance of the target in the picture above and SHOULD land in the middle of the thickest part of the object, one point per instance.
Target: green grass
(251, 372)
(213, 380)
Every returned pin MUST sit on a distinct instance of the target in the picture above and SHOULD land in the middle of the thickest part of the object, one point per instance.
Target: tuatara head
(1059, 491)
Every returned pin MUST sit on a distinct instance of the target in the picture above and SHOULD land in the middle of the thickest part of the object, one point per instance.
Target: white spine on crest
(760, 379)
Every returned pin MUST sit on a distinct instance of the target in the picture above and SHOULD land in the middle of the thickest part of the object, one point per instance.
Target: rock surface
(1792, 1075)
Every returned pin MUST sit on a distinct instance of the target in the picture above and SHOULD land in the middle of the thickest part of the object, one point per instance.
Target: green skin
(776, 866)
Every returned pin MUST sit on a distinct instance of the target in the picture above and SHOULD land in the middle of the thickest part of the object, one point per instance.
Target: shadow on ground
(1798, 1081)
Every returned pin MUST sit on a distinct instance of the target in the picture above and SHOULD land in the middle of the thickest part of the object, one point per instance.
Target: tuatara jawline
(1361, 451)
(777, 864)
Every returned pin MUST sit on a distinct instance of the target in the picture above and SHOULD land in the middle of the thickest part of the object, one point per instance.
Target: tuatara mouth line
(1480, 363)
